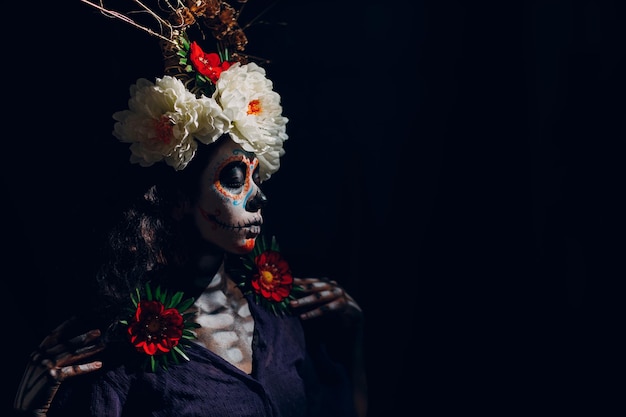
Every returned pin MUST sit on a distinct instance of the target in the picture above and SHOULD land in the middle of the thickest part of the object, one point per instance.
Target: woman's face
(228, 211)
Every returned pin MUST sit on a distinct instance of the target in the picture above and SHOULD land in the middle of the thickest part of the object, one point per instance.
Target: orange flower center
(254, 107)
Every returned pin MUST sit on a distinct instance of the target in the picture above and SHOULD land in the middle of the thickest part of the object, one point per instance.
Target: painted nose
(257, 202)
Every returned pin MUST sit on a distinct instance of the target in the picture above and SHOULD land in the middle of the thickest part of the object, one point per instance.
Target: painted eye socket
(256, 176)
(233, 176)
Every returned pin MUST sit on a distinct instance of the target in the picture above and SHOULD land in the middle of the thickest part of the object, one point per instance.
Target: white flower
(163, 120)
(249, 102)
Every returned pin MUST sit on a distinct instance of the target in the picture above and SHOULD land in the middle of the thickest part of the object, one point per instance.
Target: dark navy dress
(286, 381)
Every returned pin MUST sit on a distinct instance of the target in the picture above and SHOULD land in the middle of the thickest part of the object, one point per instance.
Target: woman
(250, 356)
(195, 312)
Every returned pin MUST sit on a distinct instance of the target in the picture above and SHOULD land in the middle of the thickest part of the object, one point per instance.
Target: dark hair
(147, 244)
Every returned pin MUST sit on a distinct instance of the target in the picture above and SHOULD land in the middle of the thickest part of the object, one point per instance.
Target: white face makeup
(228, 212)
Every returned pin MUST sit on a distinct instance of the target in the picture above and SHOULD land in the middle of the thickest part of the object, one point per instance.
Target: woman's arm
(57, 358)
(321, 297)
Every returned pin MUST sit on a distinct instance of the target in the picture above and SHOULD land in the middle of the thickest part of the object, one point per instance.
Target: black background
(456, 165)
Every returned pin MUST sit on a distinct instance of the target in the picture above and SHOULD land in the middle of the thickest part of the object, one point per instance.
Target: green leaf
(187, 316)
(148, 291)
(274, 245)
(200, 79)
(185, 305)
(162, 295)
(180, 352)
(152, 364)
(223, 53)
(135, 300)
(187, 334)
(175, 299)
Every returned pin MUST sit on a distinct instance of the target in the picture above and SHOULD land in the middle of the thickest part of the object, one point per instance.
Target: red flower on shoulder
(272, 279)
(159, 326)
(155, 330)
(267, 277)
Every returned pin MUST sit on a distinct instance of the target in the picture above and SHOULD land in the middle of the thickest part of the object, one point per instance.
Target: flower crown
(201, 96)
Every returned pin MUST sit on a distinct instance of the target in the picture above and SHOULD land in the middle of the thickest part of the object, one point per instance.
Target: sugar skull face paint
(228, 211)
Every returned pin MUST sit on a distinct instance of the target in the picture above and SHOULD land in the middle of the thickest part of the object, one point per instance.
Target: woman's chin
(243, 246)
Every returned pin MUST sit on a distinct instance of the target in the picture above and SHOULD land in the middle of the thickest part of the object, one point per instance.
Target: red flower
(273, 279)
(267, 277)
(209, 65)
(155, 330)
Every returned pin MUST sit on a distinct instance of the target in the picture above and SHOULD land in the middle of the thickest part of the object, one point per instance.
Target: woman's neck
(208, 262)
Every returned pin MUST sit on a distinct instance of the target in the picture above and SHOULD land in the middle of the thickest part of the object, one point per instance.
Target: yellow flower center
(267, 277)
(254, 107)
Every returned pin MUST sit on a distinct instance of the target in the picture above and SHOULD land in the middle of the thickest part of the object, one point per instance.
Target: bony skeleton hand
(56, 359)
(322, 296)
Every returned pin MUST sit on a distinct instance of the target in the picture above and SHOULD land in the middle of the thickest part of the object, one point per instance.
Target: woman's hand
(321, 296)
(56, 359)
